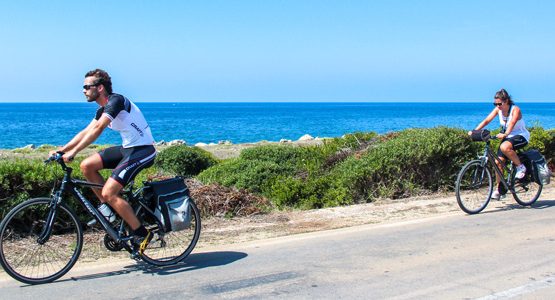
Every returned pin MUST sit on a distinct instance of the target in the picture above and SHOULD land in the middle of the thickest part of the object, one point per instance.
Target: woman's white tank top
(518, 129)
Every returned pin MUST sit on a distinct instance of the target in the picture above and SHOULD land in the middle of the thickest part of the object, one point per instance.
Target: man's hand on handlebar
(53, 153)
(68, 157)
(53, 156)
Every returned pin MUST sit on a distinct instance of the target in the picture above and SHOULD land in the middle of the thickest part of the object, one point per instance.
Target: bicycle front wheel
(474, 187)
(172, 247)
(527, 191)
(26, 259)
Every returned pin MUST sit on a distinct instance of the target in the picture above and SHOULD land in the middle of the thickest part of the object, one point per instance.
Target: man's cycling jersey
(128, 120)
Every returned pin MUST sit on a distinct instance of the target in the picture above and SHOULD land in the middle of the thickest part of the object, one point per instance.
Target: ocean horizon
(56, 123)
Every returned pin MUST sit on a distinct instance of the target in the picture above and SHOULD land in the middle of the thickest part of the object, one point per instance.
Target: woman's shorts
(518, 142)
(127, 162)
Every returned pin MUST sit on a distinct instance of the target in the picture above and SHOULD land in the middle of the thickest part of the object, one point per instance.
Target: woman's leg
(500, 166)
(507, 149)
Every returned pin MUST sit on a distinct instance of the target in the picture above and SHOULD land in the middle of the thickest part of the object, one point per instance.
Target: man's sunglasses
(497, 103)
(89, 86)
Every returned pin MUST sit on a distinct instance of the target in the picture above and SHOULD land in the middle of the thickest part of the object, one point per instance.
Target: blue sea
(57, 123)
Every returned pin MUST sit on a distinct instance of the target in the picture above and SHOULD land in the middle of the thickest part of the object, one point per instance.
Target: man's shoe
(520, 171)
(139, 244)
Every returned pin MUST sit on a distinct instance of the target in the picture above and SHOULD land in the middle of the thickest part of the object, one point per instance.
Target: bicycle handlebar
(481, 135)
(57, 157)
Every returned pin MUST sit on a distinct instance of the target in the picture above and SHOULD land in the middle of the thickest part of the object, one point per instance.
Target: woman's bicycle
(474, 184)
(41, 238)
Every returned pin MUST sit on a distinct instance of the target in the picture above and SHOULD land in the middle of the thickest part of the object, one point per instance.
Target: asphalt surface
(505, 252)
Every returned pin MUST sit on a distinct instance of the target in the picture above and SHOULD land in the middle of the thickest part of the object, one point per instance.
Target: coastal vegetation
(184, 161)
(355, 168)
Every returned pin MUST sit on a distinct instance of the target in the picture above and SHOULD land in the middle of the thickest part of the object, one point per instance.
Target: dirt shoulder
(217, 231)
(222, 231)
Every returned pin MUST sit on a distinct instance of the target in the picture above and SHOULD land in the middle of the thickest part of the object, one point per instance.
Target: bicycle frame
(71, 185)
(489, 158)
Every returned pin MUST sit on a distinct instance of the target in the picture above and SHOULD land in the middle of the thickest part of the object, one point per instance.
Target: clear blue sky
(279, 50)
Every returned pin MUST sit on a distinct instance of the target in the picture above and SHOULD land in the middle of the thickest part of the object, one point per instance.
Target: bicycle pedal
(135, 255)
(91, 222)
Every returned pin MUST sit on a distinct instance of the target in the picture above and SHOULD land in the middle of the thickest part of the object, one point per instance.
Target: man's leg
(110, 193)
(90, 168)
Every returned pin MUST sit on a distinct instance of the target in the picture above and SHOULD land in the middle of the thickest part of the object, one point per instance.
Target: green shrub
(313, 192)
(320, 158)
(185, 161)
(256, 167)
(540, 139)
(413, 161)
(351, 169)
(278, 154)
(357, 140)
(291, 176)
(252, 175)
(23, 179)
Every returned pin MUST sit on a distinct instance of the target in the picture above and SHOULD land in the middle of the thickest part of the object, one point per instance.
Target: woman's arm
(488, 119)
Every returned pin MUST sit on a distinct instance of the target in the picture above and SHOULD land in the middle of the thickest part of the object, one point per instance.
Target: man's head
(97, 82)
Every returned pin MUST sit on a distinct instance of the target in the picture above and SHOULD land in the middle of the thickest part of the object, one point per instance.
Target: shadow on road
(540, 204)
(193, 262)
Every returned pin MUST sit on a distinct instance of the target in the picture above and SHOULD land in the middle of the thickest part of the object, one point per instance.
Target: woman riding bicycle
(513, 135)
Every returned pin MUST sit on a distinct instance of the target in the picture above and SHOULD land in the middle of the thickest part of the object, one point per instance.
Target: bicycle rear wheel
(473, 187)
(527, 191)
(23, 257)
(173, 247)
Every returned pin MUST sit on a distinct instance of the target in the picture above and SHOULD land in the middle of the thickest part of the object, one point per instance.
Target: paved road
(504, 252)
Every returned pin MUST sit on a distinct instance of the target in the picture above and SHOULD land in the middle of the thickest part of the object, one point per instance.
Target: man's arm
(90, 134)
(77, 138)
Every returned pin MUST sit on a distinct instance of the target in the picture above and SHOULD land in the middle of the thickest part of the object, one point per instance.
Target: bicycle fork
(52, 212)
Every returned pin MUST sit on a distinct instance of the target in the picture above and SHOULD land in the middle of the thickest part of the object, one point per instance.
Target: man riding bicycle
(136, 152)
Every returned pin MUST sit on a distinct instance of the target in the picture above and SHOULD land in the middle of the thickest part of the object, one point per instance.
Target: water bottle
(107, 212)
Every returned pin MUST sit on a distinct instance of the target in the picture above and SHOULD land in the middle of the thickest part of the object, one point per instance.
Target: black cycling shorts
(127, 162)
(518, 142)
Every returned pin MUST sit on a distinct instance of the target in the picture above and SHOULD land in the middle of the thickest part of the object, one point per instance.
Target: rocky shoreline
(304, 138)
(221, 150)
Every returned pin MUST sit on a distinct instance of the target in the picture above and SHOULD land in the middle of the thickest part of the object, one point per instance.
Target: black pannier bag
(480, 135)
(171, 203)
(536, 165)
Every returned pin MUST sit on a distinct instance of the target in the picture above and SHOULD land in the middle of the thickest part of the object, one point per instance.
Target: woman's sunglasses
(497, 103)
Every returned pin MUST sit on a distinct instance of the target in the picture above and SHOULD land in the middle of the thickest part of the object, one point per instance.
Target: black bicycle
(474, 184)
(41, 239)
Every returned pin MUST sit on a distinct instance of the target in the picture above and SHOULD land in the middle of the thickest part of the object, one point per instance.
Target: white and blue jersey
(128, 120)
